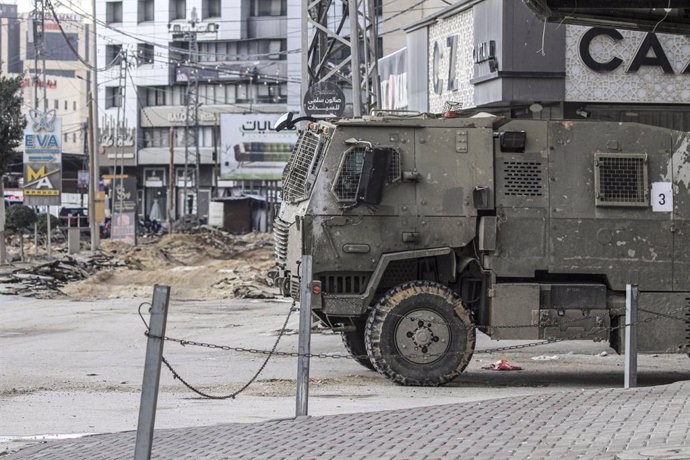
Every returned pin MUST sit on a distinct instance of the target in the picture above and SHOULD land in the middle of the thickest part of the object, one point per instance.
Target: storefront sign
(451, 61)
(42, 159)
(623, 66)
(251, 149)
(324, 99)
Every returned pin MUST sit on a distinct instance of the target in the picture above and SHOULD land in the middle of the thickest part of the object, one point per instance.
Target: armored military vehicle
(425, 229)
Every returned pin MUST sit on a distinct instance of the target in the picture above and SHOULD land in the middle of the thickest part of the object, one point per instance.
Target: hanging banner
(42, 159)
(251, 149)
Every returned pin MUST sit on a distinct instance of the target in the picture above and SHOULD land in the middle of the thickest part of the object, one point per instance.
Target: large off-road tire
(420, 333)
(354, 343)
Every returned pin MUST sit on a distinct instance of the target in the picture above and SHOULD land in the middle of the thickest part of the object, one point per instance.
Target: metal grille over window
(621, 179)
(345, 187)
(394, 169)
(523, 178)
(302, 166)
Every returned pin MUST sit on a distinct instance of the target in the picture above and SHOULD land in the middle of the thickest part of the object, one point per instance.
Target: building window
(210, 9)
(178, 9)
(64, 137)
(66, 105)
(156, 137)
(269, 7)
(112, 97)
(154, 96)
(57, 104)
(145, 13)
(74, 138)
(113, 12)
(274, 49)
(113, 55)
(74, 105)
(145, 53)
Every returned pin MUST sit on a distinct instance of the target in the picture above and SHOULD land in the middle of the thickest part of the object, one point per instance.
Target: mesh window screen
(621, 179)
(345, 187)
(301, 167)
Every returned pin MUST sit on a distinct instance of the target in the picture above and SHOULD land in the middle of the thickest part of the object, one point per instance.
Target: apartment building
(240, 67)
(66, 78)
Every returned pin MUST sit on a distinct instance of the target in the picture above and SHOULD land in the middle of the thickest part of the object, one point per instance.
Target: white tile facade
(462, 25)
(647, 85)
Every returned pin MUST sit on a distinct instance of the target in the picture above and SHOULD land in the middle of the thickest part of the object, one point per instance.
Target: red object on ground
(502, 365)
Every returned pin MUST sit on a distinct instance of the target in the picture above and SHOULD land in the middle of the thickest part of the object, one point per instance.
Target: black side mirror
(283, 122)
(374, 173)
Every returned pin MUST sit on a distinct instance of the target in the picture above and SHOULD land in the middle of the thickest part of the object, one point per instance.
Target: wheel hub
(422, 336)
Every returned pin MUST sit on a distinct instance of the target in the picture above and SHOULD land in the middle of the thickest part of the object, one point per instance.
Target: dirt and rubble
(204, 264)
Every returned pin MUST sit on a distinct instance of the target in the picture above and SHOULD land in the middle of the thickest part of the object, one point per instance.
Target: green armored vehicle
(426, 229)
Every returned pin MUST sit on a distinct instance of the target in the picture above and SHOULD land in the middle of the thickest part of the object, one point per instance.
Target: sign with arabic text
(324, 99)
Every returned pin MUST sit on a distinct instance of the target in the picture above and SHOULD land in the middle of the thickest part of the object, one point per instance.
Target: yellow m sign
(33, 175)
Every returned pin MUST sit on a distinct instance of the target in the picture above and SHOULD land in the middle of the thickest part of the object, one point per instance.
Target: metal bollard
(632, 297)
(152, 373)
(304, 344)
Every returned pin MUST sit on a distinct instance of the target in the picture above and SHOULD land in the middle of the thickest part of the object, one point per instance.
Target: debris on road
(502, 365)
(204, 264)
(545, 358)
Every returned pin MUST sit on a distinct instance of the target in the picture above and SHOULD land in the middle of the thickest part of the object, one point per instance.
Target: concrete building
(66, 78)
(241, 69)
(497, 55)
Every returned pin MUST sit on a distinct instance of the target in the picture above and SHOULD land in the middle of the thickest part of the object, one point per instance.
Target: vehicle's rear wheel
(420, 333)
(354, 343)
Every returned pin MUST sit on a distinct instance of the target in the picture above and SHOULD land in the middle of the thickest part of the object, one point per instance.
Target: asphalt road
(69, 368)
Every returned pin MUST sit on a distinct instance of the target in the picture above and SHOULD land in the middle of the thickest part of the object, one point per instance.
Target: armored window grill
(347, 182)
(350, 173)
(394, 169)
(620, 179)
(302, 167)
(523, 178)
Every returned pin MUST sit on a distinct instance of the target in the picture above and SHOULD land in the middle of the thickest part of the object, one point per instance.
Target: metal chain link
(177, 376)
(274, 352)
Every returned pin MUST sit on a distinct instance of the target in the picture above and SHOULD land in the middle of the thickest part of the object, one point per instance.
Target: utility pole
(119, 155)
(34, 81)
(95, 137)
(323, 39)
(49, 248)
(171, 183)
(192, 112)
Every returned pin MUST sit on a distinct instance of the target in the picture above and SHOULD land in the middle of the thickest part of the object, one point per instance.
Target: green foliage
(12, 121)
(42, 222)
(19, 217)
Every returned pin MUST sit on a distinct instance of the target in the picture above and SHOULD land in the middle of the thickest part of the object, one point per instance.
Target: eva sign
(662, 196)
(42, 159)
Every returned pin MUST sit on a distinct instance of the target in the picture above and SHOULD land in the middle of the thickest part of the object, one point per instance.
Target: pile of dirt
(205, 264)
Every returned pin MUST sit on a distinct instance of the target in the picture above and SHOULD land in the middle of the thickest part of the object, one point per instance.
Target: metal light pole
(93, 163)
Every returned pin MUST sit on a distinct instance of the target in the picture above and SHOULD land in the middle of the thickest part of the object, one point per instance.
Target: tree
(12, 124)
(19, 218)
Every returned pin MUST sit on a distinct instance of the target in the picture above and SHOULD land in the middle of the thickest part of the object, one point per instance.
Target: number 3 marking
(662, 199)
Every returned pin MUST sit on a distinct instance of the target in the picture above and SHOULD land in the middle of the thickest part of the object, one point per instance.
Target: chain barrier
(273, 352)
(232, 395)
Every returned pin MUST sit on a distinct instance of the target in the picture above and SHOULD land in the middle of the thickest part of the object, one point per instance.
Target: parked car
(74, 217)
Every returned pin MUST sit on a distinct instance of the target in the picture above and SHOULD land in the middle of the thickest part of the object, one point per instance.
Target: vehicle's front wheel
(354, 343)
(420, 333)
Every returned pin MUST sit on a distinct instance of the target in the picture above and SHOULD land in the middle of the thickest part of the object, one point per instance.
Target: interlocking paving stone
(570, 424)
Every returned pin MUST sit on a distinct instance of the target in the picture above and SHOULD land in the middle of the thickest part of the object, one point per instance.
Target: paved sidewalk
(604, 424)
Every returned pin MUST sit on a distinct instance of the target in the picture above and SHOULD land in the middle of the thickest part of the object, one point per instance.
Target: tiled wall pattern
(462, 25)
(649, 84)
